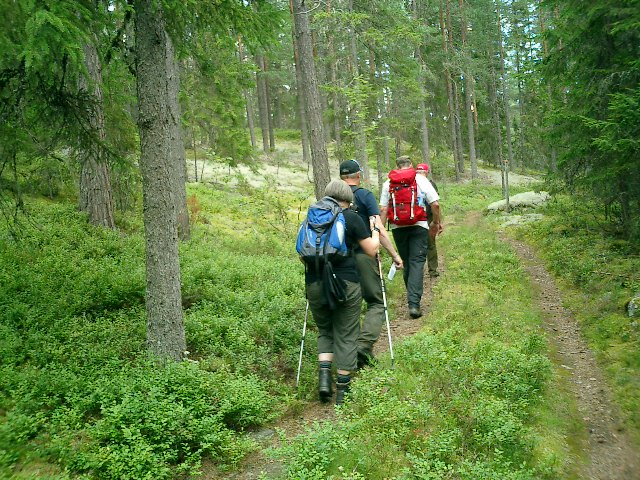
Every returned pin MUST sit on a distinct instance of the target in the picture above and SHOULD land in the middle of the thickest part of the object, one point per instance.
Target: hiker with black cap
(338, 319)
(403, 201)
(366, 206)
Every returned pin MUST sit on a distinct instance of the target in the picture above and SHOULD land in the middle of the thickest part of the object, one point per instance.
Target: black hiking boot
(325, 382)
(341, 390)
(414, 312)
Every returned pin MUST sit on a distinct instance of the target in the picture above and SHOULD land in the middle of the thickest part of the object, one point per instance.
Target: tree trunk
(456, 104)
(319, 157)
(267, 89)
(96, 195)
(263, 104)
(468, 93)
(507, 115)
(424, 125)
(304, 129)
(493, 101)
(553, 163)
(250, 114)
(157, 122)
(458, 125)
(248, 100)
(358, 107)
(450, 100)
(180, 179)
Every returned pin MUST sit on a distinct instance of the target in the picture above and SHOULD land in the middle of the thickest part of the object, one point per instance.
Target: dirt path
(611, 454)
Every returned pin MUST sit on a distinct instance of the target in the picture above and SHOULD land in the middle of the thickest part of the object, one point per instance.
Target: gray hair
(350, 175)
(339, 190)
(404, 161)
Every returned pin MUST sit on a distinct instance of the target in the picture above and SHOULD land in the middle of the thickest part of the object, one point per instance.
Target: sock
(325, 364)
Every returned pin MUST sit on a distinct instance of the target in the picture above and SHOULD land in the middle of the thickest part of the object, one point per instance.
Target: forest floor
(608, 453)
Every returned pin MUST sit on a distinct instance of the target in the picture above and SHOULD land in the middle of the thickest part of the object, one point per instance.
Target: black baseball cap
(349, 166)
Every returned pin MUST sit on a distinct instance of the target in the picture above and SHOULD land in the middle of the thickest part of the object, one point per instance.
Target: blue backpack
(322, 235)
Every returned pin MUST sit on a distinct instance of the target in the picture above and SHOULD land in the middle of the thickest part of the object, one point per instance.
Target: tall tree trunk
(458, 125)
(387, 113)
(468, 92)
(304, 129)
(263, 103)
(180, 178)
(424, 125)
(456, 104)
(335, 98)
(165, 328)
(247, 98)
(309, 87)
(553, 163)
(267, 89)
(450, 100)
(507, 114)
(358, 108)
(493, 101)
(96, 195)
(252, 129)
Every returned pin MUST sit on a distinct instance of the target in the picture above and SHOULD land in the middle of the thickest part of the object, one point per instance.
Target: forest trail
(608, 451)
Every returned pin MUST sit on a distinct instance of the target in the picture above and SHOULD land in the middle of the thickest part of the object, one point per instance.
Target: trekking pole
(304, 332)
(386, 311)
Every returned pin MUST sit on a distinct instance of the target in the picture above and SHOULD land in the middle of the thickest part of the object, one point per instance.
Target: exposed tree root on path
(610, 454)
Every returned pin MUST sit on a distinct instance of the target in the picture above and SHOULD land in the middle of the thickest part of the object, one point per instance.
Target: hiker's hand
(397, 261)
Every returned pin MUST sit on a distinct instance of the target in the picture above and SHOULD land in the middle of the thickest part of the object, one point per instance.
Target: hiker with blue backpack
(325, 243)
(403, 202)
(371, 282)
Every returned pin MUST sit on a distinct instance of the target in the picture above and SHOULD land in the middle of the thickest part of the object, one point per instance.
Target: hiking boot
(325, 382)
(414, 312)
(365, 359)
(341, 390)
(434, 274)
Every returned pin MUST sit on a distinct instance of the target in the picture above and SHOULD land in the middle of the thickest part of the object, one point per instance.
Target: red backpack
(403, 198)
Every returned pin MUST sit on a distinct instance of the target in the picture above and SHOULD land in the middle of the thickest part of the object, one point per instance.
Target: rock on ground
(526, 199)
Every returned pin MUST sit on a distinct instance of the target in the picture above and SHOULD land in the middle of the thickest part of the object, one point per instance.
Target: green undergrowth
(473, 395)
(598, 275)
(79, 396)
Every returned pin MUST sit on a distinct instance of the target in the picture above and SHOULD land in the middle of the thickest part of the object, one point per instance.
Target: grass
(79, 396)
(473, 394)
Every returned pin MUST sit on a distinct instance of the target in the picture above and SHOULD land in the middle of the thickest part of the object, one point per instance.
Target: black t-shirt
(344, 268)
(365, 204)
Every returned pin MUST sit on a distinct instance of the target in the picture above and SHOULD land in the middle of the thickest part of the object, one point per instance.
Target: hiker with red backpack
(403, 202)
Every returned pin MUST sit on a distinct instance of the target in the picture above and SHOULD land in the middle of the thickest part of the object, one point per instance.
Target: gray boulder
(526, 199)
(633, 306)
